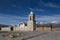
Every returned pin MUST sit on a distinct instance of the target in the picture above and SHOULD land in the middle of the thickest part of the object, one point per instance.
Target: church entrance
(11, 28)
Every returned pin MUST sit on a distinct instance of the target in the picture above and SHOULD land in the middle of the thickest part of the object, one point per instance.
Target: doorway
(11, 28)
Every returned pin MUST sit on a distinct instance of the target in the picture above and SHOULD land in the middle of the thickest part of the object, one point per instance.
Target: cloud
(52, 5)
(11, 19)
(41, 22)
(54, 22)
(36, 9)
(49, 4)
(48, 19)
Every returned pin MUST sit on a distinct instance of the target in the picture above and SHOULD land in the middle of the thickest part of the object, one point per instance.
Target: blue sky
(16, 11)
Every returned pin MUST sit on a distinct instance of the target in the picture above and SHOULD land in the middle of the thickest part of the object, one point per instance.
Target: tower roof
(31, 12)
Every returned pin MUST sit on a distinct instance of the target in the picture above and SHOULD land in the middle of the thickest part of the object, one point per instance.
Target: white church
(31, 23)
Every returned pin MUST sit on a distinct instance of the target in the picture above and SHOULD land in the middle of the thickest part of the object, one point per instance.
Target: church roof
(31, 12)
(23, 23)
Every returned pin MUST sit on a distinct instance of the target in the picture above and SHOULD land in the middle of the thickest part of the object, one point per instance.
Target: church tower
(31, 21)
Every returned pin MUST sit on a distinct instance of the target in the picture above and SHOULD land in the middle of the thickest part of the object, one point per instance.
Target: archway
(11, 28)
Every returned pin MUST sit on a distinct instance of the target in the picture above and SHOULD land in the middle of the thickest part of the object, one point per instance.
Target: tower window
(30, 18)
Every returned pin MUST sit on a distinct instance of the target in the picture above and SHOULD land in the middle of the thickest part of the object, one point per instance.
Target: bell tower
(31, 21)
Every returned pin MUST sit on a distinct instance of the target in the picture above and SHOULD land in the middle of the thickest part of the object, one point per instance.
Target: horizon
(16, 11)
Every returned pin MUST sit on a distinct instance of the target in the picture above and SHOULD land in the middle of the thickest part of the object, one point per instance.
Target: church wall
(56, 29)
(22, 25)
(21, 29)
(25, 29)
(5, 29)
(16, 28)
(39, 29)
(43, 28)
(47, 28)
(28, 29)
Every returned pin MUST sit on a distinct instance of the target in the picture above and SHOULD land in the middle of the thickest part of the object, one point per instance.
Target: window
(30, 18)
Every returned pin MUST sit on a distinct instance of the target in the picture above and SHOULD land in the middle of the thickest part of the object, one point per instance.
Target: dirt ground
(30, 35)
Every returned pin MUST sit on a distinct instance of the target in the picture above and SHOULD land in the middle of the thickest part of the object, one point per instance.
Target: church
(30, 26)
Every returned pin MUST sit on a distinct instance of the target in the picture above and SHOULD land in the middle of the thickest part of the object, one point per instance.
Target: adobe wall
(56, 29)
(25, 29)
(5, 29)
(39, 29)
(47, 28)
(28, 29)
(21, 29)
(43, 29)
(16, 28)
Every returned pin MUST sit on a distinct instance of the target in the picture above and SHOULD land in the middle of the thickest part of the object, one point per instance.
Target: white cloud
(13, 19)
(10, 19)
(36, 9)
(52, 5)
(49, 4)
(50, 19)
(54, 22)
(41, 22)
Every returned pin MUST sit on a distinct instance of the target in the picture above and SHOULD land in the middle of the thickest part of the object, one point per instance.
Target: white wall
(16, 28)
(5, 29)
(22, 25)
